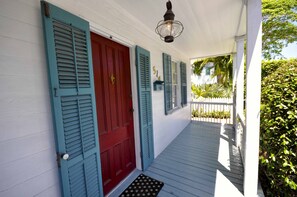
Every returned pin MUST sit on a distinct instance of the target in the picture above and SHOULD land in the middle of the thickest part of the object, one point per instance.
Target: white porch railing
(219, 110)
(240, 130)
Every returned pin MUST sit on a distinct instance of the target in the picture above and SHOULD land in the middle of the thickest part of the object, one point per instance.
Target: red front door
(114, 110)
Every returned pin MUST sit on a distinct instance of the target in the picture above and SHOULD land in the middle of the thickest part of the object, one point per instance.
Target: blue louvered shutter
(167, 72)
(145, 106)
(183, 80)
(67, 41)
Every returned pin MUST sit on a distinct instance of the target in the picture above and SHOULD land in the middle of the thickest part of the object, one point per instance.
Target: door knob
(65, 156)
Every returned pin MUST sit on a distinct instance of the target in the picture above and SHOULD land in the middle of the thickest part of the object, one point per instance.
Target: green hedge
(278, 137)
(269, 67)
(211, 114)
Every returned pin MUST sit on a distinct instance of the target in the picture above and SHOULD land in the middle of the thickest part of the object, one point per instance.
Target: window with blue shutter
(145, 106)
(67, 42)
(207, 71)
(167, 72)
(183, 80)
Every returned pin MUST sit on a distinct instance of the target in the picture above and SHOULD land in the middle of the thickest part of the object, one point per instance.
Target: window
(171, 85)
(174, 84)
(183, 83)
(207, 71)
(167, 71)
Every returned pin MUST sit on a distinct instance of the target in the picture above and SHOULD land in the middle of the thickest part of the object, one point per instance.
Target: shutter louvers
(67, 41)
(183, 75)
(167, 83)
(145, 106)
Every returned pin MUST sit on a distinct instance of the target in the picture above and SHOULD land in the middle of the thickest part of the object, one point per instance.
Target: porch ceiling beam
(213, 55)
(254, 47)
(240, 21)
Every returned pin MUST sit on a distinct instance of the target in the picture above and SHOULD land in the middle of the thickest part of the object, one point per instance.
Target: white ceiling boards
(210, 25)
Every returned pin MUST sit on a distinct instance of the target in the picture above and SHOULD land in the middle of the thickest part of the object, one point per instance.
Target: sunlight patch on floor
(224, 154)
(224, 187)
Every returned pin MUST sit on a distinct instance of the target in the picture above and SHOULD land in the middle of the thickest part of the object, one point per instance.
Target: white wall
(27, 148)
(166, 128)
(203, 78)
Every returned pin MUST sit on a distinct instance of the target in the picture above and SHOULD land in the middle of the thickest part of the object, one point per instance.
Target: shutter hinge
(46, 9)
(140, 154)
(58, 159)
(55, 92)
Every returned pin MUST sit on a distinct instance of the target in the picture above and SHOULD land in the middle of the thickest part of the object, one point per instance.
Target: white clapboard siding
(26, 146)
(41, 186)
(26, 11)
(19, 30)
(27, 154)
(27, 164)
(24, 169)
(17, 48)
(19, 126)
(50, 192)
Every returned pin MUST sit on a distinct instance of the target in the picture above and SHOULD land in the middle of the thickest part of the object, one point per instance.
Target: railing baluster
(218, 110)
(220, 115)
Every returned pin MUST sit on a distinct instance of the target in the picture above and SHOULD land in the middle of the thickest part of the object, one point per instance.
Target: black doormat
(143, 186)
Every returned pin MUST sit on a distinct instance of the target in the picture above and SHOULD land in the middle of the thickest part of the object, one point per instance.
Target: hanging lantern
(168, 29)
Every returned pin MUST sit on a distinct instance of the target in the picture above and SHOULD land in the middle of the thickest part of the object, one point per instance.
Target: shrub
(211, 114)
(278, 137)
(211, 91)
(269, 67)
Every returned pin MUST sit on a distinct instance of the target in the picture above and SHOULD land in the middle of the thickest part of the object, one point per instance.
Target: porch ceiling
(210, 26)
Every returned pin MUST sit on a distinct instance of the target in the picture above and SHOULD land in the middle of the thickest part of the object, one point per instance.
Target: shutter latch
(60, 156)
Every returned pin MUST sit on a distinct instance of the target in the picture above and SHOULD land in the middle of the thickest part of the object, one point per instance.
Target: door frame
(97, 29)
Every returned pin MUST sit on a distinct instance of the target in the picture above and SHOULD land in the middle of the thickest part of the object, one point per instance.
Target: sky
(290, 51)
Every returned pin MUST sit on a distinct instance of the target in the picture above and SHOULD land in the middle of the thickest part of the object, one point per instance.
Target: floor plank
(202, 161)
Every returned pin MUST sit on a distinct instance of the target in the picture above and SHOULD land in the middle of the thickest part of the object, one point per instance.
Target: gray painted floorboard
(201, 161)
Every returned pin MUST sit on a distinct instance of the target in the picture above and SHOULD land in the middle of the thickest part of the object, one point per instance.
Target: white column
(239, 80)
(234, 71)
(254, 47)
(233, 90)
(240, 74)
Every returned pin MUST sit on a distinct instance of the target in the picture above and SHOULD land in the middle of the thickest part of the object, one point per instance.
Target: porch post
(234, 56)
(239, 81)
(254, 47)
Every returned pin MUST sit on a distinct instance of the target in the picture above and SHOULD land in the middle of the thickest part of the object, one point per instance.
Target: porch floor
(201, 161)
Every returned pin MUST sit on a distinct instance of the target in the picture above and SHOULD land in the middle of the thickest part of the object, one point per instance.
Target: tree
(222, 65)
(279, 26)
